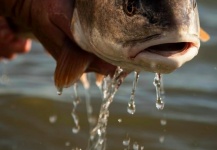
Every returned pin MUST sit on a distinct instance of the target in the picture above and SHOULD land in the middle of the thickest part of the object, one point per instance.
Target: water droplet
(126, 141)
(76, 101)
(75, 129)
(158, 87)
(131, 109)
(159, 104)
(67, 143)
(135, 146)
(120, 120)
(53, 119)
(163, 122)
(161, 139)
(59, 91)
(75, 118)
(75, 94)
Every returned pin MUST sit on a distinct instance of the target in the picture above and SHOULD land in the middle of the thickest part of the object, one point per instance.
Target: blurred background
(34, 117)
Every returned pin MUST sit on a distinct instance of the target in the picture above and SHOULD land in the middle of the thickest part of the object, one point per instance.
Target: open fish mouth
(164, 56)
(170, 49)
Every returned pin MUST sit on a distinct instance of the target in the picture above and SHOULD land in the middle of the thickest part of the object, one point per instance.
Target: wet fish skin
(119, 30)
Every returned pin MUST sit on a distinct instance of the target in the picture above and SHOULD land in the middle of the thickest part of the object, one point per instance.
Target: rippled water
(34, 117)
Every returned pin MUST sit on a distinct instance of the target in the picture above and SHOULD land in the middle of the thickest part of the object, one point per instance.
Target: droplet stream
(110, 86)
(158, 86)
(131, 109)
(75, 102)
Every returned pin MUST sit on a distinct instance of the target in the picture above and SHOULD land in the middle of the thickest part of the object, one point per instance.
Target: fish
(137, 35)
(141, 35)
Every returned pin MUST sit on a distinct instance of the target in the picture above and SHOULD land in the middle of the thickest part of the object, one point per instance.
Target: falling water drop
(76, 129)
(59, 91)
(53, 119)
(161, 139)
(163, 122)
(131, 109)
(158, 86)
(120, 120)
(126, 141)
(135, 146)
(67, 143)
(159, 104)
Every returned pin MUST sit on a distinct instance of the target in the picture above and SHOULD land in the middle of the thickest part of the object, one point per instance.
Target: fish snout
(165, 54)
(171, 33)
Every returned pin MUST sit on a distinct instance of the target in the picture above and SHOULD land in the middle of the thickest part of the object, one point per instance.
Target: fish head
(141, 35)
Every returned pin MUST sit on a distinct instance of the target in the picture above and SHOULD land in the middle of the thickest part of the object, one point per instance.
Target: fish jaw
(166, 63)
(176, 51)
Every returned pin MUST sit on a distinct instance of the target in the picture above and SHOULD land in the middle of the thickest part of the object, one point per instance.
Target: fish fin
(85, 81)
(71, 64)
(204, 36)
(99, 79)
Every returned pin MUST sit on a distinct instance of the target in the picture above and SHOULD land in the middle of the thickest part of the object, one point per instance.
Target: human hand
(10, 44)
(50, 21)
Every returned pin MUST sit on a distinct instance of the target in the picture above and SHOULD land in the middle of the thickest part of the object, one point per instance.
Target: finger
(11, 49)
(21, 45)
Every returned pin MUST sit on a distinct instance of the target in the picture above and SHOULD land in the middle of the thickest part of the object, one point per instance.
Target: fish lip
(192, 40)
(173, 53)
(156, 63)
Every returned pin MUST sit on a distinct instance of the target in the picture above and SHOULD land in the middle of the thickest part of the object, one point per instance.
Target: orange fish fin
(99, 79)
(85, 81)
(204, 36)
(71, 64)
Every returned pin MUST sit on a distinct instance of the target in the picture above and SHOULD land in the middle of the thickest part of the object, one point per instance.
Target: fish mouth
(164, 55)
(169, 49)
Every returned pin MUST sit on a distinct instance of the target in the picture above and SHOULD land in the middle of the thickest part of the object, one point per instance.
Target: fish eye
(130, 7)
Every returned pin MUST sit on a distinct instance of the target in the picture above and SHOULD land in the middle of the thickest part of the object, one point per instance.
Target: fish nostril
(194, 2)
